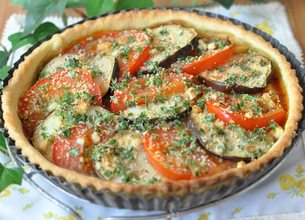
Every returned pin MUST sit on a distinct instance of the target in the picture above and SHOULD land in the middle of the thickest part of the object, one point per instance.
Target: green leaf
(64, 19)
(4, 55)
(18, 40)
(3, 73)
(75, 3)
(38, 10)
(123, 4)
(97, 7)
(9, 176)
(225, 3)
(44, 30)
(2, 143)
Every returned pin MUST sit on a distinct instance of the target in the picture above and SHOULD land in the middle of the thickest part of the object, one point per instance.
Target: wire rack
(170, 214)
(30, 175)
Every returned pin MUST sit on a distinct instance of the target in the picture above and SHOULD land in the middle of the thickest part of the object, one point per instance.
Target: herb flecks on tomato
(140, 91)
(73, 149)
(249, 123)
(71, 85)
(176, 155)
(129, 47)
(209, 61)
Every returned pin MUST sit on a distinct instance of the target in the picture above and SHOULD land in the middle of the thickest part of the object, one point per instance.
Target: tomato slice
(34, 104)
(279, 116)
(176, 162)
(129, 47)
(208, 61)
(74, 152)
(139, 91)
(136, 60)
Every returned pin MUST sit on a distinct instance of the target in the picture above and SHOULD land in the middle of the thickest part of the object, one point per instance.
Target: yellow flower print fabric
(287, 183)
(294, 183)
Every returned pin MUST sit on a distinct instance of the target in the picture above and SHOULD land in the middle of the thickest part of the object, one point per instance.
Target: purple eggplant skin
(182, 52)
(222, 87)
(196, 133)
(114, 76)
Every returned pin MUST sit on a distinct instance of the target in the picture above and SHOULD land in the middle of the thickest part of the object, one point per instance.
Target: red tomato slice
(135, 41)
(279, 116)
(33, 105)
(136, 61)
(209, 61)
(138, 90)
(158, 146)
(75, 151)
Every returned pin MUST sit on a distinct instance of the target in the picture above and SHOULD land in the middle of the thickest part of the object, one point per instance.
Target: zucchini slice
(169, 43)
(123, 159)
(103, 68)
(231, 141)
(246, 73)
(53, 125)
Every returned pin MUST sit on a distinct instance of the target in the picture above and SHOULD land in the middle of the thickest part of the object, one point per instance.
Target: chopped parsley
(73, 63)
(208, 118)
(96, 71)
(164, 32)
(66, 133)
(74, 152)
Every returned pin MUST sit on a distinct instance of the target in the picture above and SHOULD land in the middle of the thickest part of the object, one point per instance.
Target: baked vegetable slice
(169, 42)
(177, 155)
(130, 47)
(66, 137)
(246, 73)
(248, 111)
(103, 68)
(122, 159)
(211, 53)
(159, 95)
(69, 86)
(231, 141)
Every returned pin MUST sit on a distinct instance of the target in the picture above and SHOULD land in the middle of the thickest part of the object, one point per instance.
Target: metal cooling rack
(30, 175)
(170, 214)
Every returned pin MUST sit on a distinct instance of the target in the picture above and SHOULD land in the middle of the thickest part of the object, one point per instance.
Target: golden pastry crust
(26, 75)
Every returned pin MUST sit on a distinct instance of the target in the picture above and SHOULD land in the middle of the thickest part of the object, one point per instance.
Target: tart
(153, 103)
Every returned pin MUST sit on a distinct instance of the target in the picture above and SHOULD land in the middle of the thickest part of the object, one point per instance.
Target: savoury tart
(244, 54)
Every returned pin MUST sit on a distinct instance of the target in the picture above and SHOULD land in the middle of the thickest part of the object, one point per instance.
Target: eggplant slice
(246, 73)
(103, 68)
(60, 62)
(52, 126)
(231, 141)
(169, 43)
(170, 108)
(123, 159)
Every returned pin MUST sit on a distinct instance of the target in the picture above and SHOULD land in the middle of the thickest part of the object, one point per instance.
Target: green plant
(35, 30)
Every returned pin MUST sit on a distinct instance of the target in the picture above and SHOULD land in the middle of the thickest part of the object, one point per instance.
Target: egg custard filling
(153, 103)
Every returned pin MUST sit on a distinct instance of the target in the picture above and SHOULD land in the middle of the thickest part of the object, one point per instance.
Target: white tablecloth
(282, 192)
